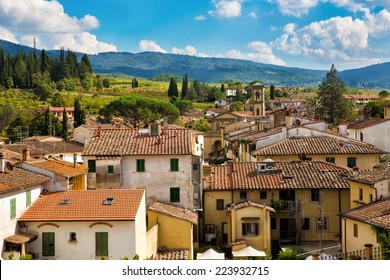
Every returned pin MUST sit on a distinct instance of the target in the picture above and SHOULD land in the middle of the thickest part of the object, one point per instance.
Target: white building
(18, 190)
(88, 225)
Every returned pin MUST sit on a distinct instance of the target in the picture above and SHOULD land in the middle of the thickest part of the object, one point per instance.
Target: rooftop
(134, 142)
(376, 213)
(379, 173)
(366, 123)
(87, 205)
(295, 175)
(39, 148)
(316, 146)
(19, 179)
(248, 203)
(175, 211)
(60, 167)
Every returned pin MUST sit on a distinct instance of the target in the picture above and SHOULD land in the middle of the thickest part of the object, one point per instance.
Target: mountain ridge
(214, 70)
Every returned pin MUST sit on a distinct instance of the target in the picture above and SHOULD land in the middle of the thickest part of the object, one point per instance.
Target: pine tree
(184, 87)
(64, 125)
(333, 106)
(173, 92)
(85, 67)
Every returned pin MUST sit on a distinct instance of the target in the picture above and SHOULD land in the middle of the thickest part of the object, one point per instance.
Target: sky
(310, 34)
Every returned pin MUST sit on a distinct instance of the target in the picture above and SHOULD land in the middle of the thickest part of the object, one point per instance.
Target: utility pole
(321, 222)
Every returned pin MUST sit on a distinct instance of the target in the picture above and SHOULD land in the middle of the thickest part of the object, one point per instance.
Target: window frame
(174, 164)
(140, 165)
(174, 194)
(260, 195)
(306, 224)
(355, 230)
(351, 159)
(326, 224)
(110, 169)
(241, 196)
(92, 165)
(220, 204)
(248, 228)
(314, 194)
(330, 159)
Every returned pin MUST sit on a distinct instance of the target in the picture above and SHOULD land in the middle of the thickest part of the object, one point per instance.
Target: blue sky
(296, 33)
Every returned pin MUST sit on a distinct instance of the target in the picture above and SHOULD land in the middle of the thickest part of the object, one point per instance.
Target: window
(12, 204)
(101, 243)
(330, 159)
(220, 204)
(243, 195)
(263, 195)
(72, 236)
(48, 244)
(322, 223)
(194, 166)
(140, 165)
(175, 194)
(351, 162)
(250, 229)
(315, 195)
(360, 194)
(110, 169)
(273, 223)
(174, 164)
(28, 198)
(355, 230)
(305, 224)
(108, 201)
(91, 165)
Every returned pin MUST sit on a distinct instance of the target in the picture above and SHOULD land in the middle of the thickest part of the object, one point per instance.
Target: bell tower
(258, 97)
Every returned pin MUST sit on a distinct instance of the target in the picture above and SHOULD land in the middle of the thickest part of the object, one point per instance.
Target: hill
(213, 70)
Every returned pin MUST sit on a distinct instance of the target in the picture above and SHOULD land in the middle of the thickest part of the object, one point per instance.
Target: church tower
(258, 96)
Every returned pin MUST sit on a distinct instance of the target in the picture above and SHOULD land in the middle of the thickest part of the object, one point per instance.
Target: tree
(236, 106)
(43, 91)
(332, 105)
(200, 125)
(140, 110)
(44, 62)
(219, 95)
(183, 105)
(85, 67)
(7, 115)
(173, 92)
(64, 133)
(383, 94)
(78, 113)
(106, 82)
(184, 87)
(374, 108)
(272, 92)
(223, 88)
(134, 83)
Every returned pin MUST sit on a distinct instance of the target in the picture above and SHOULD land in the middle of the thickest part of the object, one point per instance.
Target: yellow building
(306, 195)
(324, 148)
(358, 225)
(386, 112)
(177, 227)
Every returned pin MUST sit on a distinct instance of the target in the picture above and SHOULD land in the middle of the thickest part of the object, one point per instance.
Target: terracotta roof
(38, 148)
(254, 135)
(20, 179)
(11, 155)
(379, 173)
(44, 138)
(376, 213)
(295, 175)
(175, 211)
(131, 142)
(86, 206)
(60, 167)
(237, 126)
(248, 203)
(367, 96)
(322, 145)
(172, 255)
(60, 109)
(366, 123)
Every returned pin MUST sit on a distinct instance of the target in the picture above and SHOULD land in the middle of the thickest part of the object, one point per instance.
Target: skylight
(64, 202)
(108, 201)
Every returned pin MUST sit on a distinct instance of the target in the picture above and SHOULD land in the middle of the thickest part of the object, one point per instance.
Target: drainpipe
(339, 215)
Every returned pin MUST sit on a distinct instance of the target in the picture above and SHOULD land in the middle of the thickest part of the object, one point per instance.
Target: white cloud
(263, 53)
(7, 35)
(150, 46)
(226, 8)
(188, 50)
(378, 24)
(296, 8)
(200, 17)
(253, 15)
(48, 22)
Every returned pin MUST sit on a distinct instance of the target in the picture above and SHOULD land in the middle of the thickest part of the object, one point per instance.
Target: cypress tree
(173, 92)
(78, 113)
(64, 125)
(272, 92)
(223, 88)
(44, 62)
(184, 87)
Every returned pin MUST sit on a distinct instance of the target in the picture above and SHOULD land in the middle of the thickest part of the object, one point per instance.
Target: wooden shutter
(48, 244)
(101, 241)
(244, 229)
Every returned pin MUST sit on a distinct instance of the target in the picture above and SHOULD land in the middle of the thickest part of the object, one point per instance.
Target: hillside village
(272, 178)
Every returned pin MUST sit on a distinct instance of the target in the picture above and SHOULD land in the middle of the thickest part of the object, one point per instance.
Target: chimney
(26, 154)
(2, 162)
(343, 129)
(284, 131)
(98, 131)
(155, 129)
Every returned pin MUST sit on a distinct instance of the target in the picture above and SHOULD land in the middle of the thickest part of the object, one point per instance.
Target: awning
(21, 238)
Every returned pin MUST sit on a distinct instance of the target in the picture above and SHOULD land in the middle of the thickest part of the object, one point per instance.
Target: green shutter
(91, 165)
(48, 244)
(351, 162)
(110, 169)
(175, 194)
(13, 208)
(28, 198)
(140, 165)
(174, 164)
(101, 241)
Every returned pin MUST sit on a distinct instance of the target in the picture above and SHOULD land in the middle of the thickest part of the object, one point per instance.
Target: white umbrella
(249, 252)
(210, 254)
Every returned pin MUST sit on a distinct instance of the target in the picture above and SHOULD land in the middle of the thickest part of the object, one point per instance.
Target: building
(322, 148)
(87, 225)
(177, 227)
(258, 99)
(303, 194)
(165, 162)
(64, 175)
(59, 111)
(360, 100)
(83, 133)
(359, 224)
(18, 190)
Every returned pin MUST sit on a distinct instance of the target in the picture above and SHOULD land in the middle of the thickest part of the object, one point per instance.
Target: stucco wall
(352, 243)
